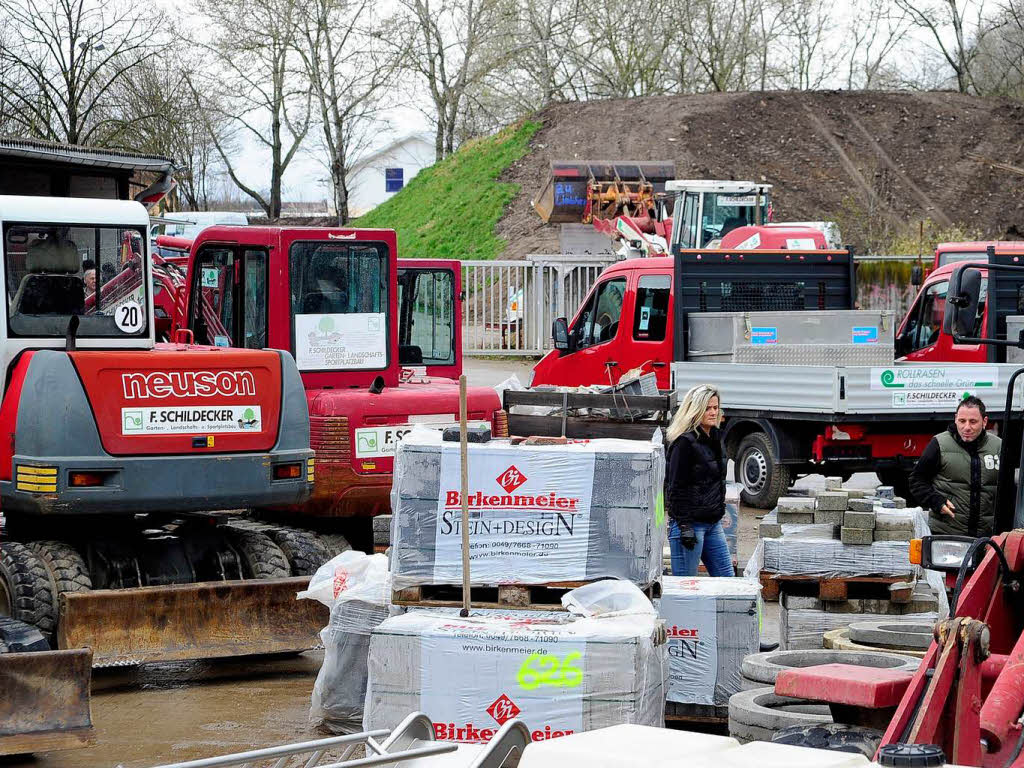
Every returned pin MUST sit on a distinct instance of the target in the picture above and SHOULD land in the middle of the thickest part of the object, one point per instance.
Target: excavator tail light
(288, 471)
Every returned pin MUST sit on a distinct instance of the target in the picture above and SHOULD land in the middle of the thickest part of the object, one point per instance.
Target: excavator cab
(706, 211)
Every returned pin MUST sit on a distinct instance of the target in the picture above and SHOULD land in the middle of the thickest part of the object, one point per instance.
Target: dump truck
(377, 341)
(129, 468)
(782, 420)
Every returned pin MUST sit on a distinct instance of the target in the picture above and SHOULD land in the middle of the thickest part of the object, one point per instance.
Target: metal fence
(509, 305)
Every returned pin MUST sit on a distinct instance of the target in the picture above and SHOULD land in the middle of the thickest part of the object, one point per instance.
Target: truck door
(921, 340)
(229, 297)
(595, 334)
(651, 340)
(430, 316)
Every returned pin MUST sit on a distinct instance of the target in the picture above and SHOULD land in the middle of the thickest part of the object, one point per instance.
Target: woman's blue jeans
(711, 547)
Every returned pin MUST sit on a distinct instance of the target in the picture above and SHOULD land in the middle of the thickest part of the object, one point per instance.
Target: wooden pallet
(689, 714)
(523, 597)
(836, 589)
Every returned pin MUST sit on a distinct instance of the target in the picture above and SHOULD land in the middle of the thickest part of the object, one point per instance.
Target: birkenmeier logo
(188, 384)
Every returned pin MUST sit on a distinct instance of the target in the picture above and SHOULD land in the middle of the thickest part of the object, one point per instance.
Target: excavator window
(56, 271)
(426, 305)
(229, 308)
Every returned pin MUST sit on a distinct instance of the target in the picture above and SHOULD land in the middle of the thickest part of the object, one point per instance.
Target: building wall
(367, 187)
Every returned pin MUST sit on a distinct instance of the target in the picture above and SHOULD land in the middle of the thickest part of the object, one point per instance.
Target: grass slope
(449, 210)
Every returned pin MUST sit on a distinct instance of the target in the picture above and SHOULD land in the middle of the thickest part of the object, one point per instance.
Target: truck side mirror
(962, 304)
(916, 275)
(560, 334)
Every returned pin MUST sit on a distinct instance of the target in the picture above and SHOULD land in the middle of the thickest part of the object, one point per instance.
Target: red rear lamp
(288, 471)
(85, 479)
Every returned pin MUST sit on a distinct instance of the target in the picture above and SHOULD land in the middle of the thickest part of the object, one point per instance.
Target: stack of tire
(756, 713)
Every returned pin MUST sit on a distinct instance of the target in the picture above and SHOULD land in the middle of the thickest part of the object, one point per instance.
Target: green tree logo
(326, 324)
(249, 414)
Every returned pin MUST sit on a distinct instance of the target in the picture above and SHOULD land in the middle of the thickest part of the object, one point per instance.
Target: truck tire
(19, 637)
(758, 469)
(833, 736)
(261, 557)
(25, 591)
(66, 568)
(304, 550)
(335, 543)
(899, 479)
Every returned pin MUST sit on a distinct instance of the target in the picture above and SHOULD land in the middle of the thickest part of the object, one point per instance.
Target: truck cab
(977, 250)
(920, 338)
(372, 337)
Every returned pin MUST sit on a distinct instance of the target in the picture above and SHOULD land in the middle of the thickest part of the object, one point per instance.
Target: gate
(509, 305)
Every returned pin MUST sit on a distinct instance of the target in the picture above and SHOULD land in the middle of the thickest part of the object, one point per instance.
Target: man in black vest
(956, 476)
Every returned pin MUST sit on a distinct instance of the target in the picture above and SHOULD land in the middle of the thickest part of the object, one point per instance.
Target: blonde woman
(695, 486)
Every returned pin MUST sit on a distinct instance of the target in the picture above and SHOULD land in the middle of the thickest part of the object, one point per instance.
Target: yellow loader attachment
(191, 621)
(44, 701)
(579, 192)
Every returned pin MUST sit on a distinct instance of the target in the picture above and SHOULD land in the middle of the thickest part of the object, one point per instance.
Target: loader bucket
(191, 621)
(572, 189)
(44, 701)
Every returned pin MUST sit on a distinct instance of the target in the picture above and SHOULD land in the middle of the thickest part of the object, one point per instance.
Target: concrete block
(861, 505)
(833, 483)
(796, 504)
(863, 520)
(885, 504)
(834, 501)
(828, 516)
(769, 530)
(885, 492)
(857, 493)
(901, 503)
(805, 517)
(894, 520)
(855, 535)
(894, 535)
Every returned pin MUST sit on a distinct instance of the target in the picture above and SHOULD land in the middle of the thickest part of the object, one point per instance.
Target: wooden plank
(580, 428)
(833, 590)
(589, 400)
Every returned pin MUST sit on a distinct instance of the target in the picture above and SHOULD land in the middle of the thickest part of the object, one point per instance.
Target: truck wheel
(336, 543)
(66, 568)
(261, 557)
(25, 591)
(19, 637)
(305, 552)
(763, 478)
(899, 479)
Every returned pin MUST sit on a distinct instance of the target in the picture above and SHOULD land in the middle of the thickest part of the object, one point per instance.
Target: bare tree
(348, 69)
(66, 58)
(626, 46)
(252, 49)
(875, 32)
(999, 68)
(808, 60)
(448, 46)
(723, 37)
(942, 19)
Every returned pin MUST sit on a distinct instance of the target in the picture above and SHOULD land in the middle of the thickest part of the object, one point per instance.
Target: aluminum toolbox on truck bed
(897, 391)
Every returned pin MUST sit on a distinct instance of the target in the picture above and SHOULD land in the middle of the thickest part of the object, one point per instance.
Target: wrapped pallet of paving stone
(803, 621)
(538, 514)
(558, 673)
(356, 588)
(769, 528)
(712, 624)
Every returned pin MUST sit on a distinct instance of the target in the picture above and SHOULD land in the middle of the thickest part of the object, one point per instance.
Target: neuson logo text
(187, 384)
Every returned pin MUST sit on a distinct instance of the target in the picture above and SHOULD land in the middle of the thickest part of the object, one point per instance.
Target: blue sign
(866, 334)
(764, 335)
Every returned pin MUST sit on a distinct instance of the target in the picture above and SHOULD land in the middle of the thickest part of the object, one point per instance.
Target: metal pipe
(409, 754)
(240, 758)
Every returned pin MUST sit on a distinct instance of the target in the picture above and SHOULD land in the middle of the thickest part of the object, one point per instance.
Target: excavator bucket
(191, 621)
(44, 701)
(579, 192)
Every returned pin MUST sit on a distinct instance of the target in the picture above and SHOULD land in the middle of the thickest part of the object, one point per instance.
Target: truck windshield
(339, 301)
(55, 272)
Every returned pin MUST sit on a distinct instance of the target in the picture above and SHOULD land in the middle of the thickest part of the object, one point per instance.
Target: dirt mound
(876, 162)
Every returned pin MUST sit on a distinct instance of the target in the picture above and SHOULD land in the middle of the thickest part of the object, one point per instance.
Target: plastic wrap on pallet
(731, 519)
(803, 627)
(538, 514)
(356, 587)
(712, 624)
(559, 674)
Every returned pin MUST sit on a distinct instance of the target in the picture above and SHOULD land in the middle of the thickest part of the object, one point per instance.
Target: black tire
(833, 737)
(19, 637)
(305, 552)
(335, 543)
(66, 568)
(899, 479)
(25, 591)
(260, 557)
(758, 469)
